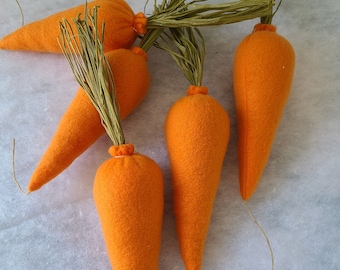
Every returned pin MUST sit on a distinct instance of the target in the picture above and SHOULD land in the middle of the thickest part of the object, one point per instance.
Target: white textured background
(297, 201)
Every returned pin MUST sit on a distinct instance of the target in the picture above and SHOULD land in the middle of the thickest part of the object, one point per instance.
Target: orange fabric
(129, 195)
(132, 77)
(140, 22)
(41, 35)
(193, 89)
(263, 73)
(121, 150)
(81, 126)
(73, 136)
(197, 133)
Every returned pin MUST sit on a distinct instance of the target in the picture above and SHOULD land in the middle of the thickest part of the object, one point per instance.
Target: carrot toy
(42, 35)
(128, 187)
(81, 126)
(197, 133)
(263, 72)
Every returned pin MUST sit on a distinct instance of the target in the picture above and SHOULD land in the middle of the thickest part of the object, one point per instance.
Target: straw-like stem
(197, 13)
(153, 33)
(188, 53)
(150, 38)
(194, 14)
(84, 52)
(268, 18)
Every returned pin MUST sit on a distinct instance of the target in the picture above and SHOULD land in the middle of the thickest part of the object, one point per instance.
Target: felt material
(197, 132)
(129, 196)
(193, 89)
(263, 73)
(140, 22)
(121, 150)
(297, 201)
(81, 126)
(41, 35)
(132, 77)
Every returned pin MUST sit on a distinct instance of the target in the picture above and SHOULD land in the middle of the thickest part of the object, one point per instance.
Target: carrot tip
(193, 90)
(121, 150)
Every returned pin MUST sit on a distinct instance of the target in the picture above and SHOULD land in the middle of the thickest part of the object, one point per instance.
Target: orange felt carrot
(197, 132)
(263, 72)
(128, 193)
(41, 36)
(128, 189)
(81, 126)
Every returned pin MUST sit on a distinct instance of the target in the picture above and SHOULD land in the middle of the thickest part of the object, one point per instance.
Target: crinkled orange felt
(263, 74)
(197, 133)
(81, 126)
(129, 196)
(121, 26)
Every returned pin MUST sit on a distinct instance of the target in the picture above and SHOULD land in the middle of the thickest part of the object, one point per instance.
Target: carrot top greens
(188, 53)
(196, 13)
(269, 17)
(85, 54)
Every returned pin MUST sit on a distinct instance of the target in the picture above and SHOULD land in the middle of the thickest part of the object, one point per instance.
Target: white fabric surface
(297, 202)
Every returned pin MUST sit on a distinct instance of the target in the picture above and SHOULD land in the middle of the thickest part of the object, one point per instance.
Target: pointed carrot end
(193, 262)
(12, 42)
(32, 186)
(246, 196)
(3, 44)
(40, 177)
(248, 186)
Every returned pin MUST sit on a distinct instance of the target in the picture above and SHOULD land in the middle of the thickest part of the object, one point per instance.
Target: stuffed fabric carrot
(128, 189)
(128, 193)
(81, 126)
(41, 36)
(263, 73)
(197, 134)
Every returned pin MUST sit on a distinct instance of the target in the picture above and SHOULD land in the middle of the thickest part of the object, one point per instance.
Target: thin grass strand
(262, 231)
(13, 170)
